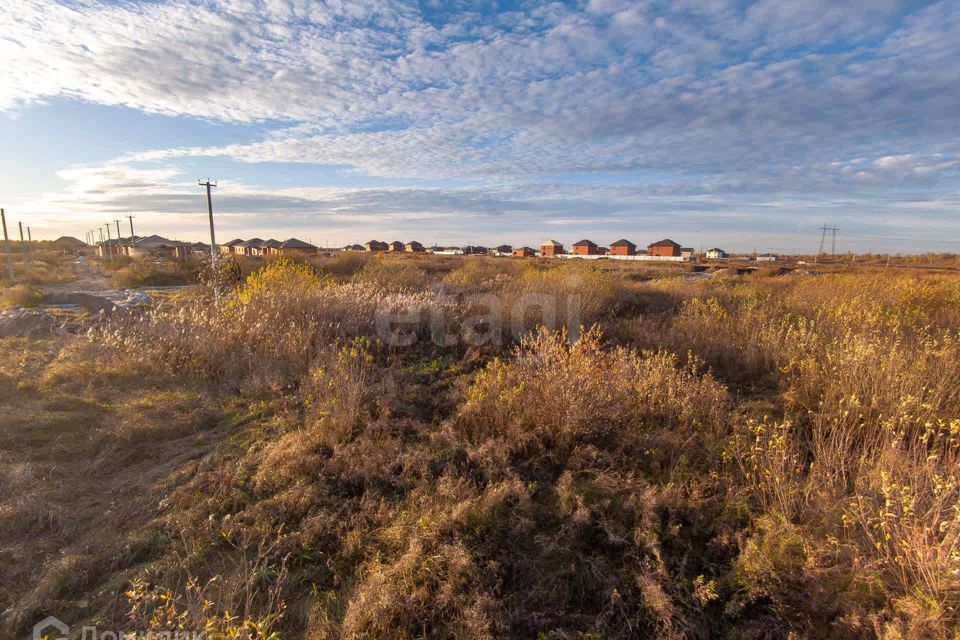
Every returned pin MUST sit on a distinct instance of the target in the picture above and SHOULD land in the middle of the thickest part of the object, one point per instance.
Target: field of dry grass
(765, 456)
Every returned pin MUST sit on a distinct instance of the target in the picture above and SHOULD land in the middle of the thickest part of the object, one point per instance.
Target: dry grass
(20, 295)
(744, 457)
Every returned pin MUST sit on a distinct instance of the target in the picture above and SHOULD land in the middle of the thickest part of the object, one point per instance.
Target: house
(249, 247)
(68, 243)
(125, 243)
(474, 250)
(584, 248)
(551, 248)
(396, 247)
(524, 252)
(717, 254)
(354, 247)
(414, 247)
(375, 246)
(294, 247)
(623, 247)
(157, 246)
(665, 249)
(199, 248)
(687, 253)
(234, 246)
(602, 251)
(270, 247)
(503, 250)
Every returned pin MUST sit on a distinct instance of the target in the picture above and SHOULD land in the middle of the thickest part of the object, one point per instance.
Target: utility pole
(109, 242)
(118, 236)
(213, 239)
(6, 245)
(103, 251)
(23, 245)
(833, 245)
(29, 244)
(823, 237)
(130, 218)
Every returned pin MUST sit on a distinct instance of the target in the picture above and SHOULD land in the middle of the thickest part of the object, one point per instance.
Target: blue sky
(714, 122)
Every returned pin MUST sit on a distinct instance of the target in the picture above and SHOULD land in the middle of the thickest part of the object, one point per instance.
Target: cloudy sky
(713, 122)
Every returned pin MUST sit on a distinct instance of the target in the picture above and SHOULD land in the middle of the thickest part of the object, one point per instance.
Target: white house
(717, 254)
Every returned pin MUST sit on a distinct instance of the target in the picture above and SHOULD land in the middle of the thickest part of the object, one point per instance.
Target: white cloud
(687, 98)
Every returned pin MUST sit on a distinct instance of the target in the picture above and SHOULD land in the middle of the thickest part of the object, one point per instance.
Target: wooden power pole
(213, 238)
(6, 245)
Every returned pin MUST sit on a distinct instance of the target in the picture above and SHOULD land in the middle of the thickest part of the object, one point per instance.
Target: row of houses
(155, 246)
(158, 246)
(378, 246)
(666, 248)
(256, 247)
(150, 246)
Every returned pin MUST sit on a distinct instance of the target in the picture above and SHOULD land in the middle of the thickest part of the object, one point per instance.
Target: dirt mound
(25, 322)
(87, 301)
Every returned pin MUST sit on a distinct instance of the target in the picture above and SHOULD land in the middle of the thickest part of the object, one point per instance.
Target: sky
(744, 125)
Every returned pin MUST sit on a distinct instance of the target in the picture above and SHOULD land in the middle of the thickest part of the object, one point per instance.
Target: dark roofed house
(584, 248)
(294, 247)
(524, 252)
(414, 247)
(157, 246)
(268, 247)
(376, 246)
(126, 243)
(67, 242)
(474, 250)
(396, 247)
(504, 250)
(234, 246)
(623, 247)
(247, 248)
(665, 249)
